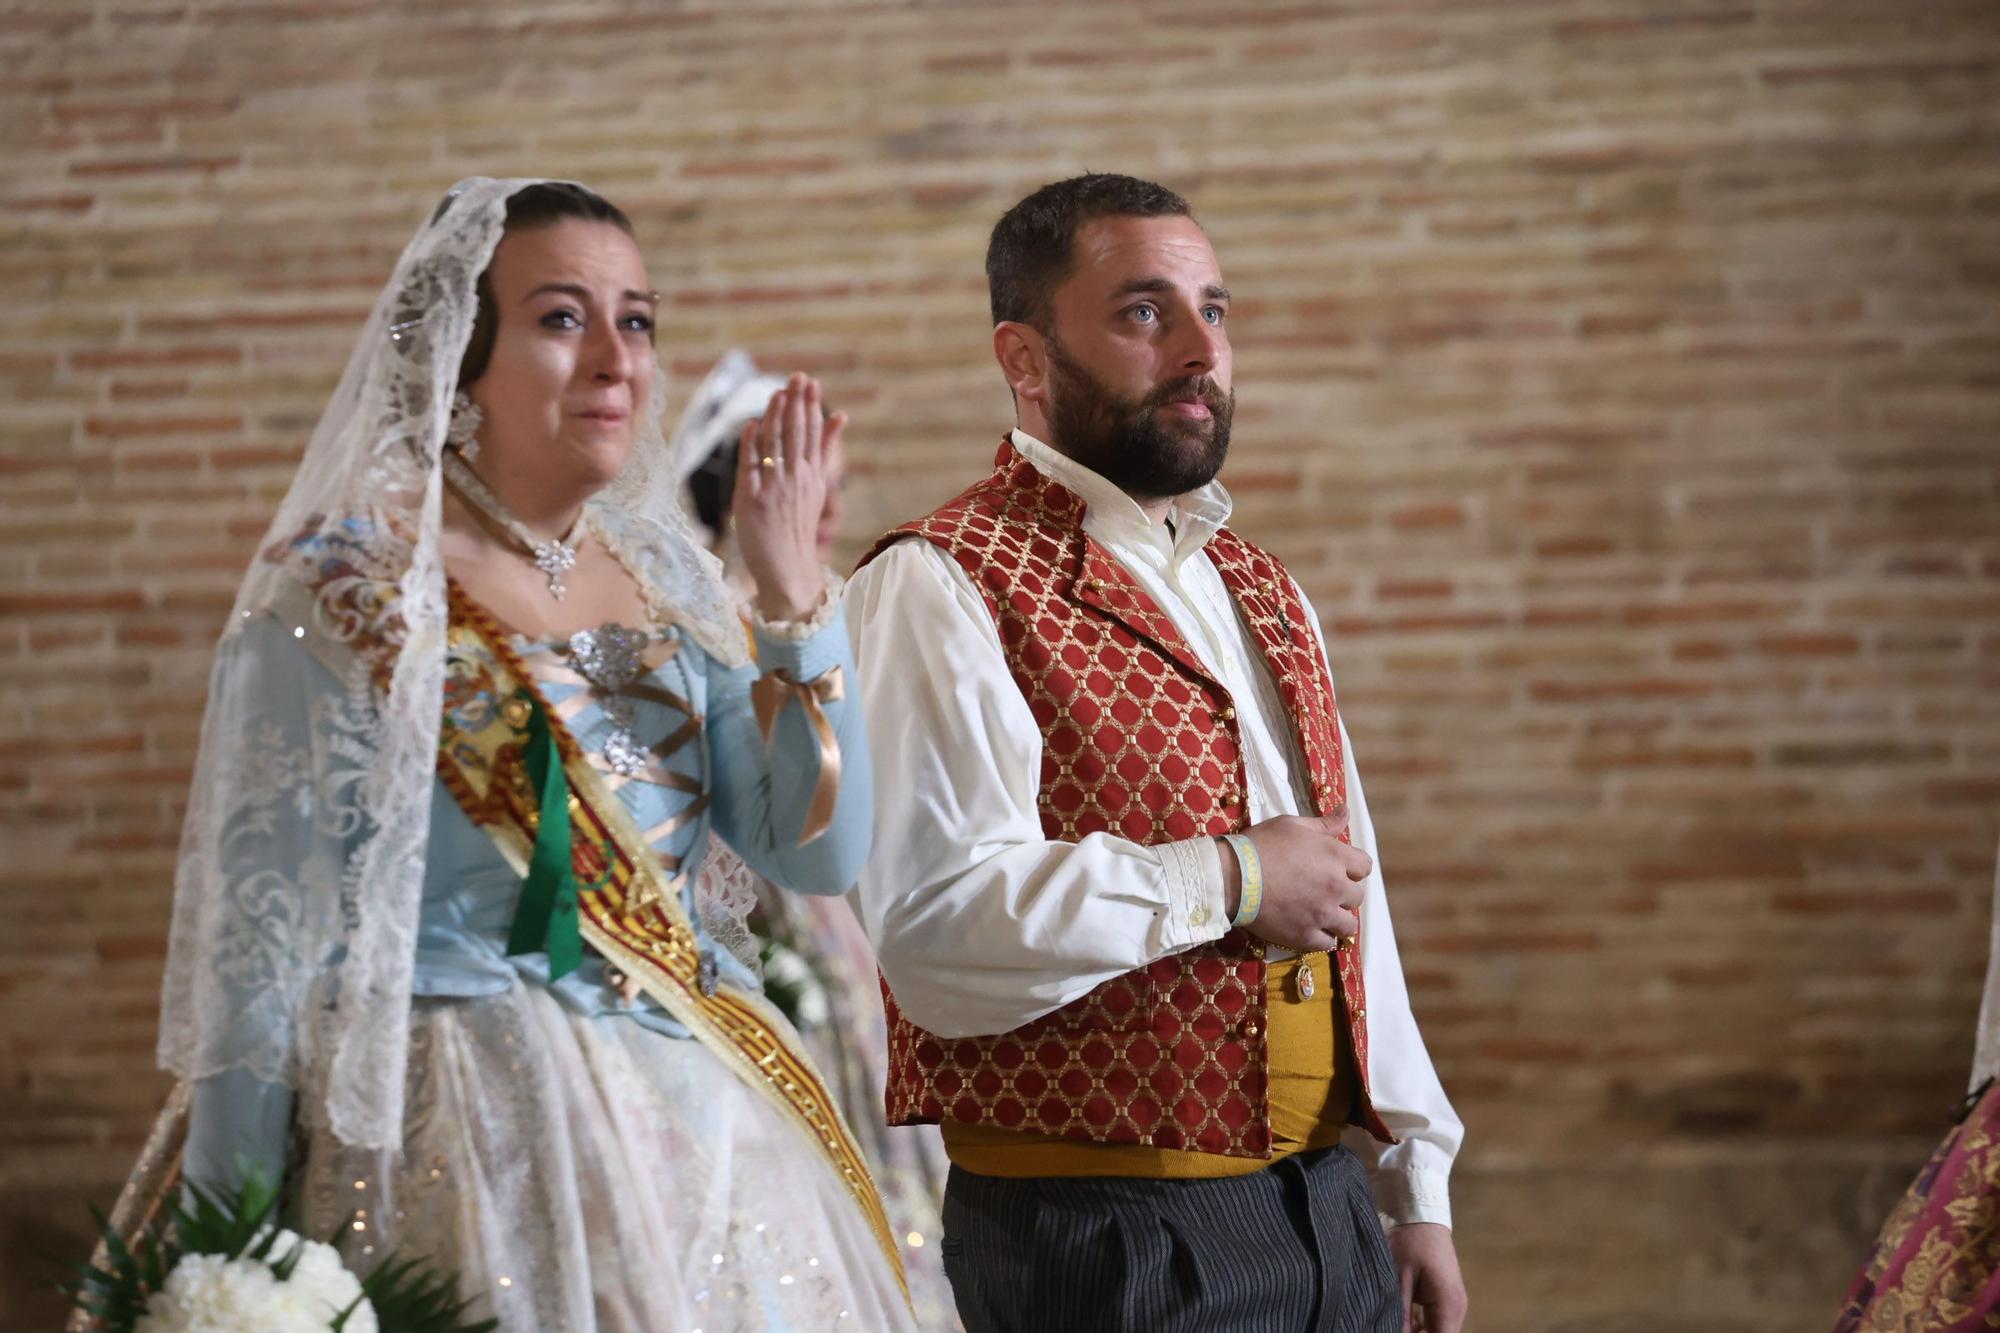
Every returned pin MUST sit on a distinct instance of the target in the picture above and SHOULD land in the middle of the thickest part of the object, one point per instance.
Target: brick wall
(1618, 377)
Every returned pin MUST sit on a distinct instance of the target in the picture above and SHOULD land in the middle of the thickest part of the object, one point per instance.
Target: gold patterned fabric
(1311, 1100)
(1935, 1267)
(1139, 740)
(148, 1193)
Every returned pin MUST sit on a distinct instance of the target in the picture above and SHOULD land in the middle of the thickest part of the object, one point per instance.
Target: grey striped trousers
(1293, 1248)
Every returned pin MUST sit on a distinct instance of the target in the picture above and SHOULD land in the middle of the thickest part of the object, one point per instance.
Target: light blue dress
(756, 801)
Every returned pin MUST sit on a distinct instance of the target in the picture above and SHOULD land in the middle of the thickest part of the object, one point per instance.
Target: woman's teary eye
(562, 319)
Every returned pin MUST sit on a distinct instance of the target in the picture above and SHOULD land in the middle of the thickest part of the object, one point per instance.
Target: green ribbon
(545, 920)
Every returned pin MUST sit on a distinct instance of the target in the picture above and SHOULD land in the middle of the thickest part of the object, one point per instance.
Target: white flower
(814, 1011)
(324, 1282)
(787, 967)
(207, 1293)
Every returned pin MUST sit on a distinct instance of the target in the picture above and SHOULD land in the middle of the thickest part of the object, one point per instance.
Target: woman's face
(572, 368)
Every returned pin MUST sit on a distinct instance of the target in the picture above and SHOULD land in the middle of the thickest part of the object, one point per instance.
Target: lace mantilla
(302, 856)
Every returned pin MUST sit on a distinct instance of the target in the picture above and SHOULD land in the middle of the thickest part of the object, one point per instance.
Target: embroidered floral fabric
(1936, 1266)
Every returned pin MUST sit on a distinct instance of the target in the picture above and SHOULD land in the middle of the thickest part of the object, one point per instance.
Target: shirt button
(1198, 916)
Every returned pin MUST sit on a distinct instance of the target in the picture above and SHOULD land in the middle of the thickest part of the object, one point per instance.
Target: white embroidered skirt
(591, 1176)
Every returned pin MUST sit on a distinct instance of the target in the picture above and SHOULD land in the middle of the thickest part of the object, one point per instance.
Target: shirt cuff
(1196, 901)
(1405, 1198)
(804, 649)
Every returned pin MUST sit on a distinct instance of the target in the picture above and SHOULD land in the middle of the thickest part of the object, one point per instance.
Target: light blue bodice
(715, 774)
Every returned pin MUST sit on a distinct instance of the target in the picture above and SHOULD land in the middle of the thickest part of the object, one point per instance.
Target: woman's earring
(465, 421)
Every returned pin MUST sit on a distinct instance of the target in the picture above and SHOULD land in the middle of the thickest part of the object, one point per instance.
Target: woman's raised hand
(781, 487)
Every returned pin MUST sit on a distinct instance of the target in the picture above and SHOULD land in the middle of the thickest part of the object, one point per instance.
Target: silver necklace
(554, 558)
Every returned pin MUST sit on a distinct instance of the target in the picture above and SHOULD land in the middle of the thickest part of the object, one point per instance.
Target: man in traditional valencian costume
(1140, 961)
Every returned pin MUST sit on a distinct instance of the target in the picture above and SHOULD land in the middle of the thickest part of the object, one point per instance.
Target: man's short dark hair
(1031, 252)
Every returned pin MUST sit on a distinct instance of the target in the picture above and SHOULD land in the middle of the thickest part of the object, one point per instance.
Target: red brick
(769, 166)
(75, 201)
(1978, 791)
(1810, 645)
(115, 949)
(1692, 612)
(1413, 517)
(970, 62)
(71, 602)
(1516, 942)
(1891, 71)
(144, 109)
(124, 358)
(123, 167)
(117, 428)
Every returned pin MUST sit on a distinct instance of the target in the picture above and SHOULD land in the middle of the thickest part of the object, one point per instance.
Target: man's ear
(1024, 360)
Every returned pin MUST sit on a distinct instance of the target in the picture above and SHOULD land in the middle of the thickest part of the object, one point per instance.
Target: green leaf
(116, 1294)
(408, 1296)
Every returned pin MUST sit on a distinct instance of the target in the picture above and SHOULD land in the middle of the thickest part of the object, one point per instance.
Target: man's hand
(1427, 1266)
(1312, 881)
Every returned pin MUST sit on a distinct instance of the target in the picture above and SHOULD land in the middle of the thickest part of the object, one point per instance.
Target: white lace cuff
(1195, 892)
(798, 631)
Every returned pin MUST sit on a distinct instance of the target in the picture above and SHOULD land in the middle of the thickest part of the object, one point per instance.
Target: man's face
(1139, 372)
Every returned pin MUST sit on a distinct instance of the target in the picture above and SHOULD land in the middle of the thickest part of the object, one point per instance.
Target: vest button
(1251, 1029)
(1361, 1013)
(1229, 715)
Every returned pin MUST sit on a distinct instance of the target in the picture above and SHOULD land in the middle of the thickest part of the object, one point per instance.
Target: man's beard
(1125, 441)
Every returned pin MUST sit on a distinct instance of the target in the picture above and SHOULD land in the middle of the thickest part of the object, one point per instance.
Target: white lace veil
(734, 391)
(302, 857)
(1986, 1053)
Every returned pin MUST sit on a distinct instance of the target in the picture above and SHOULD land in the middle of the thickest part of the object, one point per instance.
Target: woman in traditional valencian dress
(443, 950)
(1935, 1267)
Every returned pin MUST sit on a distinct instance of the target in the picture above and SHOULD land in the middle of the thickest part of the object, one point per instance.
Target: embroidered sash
(629, 906)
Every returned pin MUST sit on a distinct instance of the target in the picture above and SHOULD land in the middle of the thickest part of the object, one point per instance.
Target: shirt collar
(1112, 516)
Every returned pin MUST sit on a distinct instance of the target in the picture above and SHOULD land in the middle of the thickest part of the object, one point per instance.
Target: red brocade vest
(1140, 741)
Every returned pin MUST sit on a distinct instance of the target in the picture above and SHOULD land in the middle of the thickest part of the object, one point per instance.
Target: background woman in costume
(817, 960)
(1935, 1267)
(357, 988)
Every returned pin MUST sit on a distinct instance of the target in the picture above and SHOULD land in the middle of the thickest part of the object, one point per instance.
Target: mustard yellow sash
(631, 913)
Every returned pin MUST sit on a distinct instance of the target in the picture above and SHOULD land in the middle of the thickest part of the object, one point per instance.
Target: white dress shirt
(983, 924)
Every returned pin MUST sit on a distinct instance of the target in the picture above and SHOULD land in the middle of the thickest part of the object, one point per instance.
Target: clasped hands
(1312, 882)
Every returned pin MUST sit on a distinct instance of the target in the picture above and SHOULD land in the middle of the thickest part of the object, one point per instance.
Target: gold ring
(767, 461)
